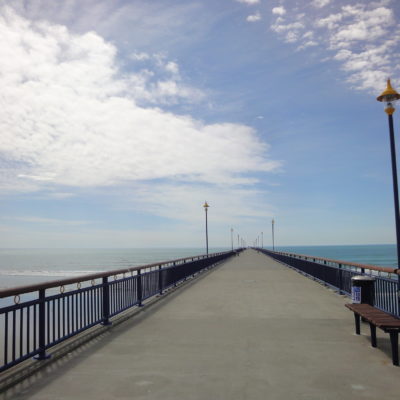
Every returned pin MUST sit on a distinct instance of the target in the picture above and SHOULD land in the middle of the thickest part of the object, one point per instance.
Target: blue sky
(119, 119)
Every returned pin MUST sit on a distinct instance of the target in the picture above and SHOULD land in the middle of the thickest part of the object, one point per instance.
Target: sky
(119, 119)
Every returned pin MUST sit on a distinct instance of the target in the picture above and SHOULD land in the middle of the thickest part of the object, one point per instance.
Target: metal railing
(29, 328)
(337, 274)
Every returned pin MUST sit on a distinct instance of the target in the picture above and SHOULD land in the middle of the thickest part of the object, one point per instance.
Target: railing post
(175, 280)
(106, 302)
(340, 279)
(42, 326)
(160, 287)
(139, 288)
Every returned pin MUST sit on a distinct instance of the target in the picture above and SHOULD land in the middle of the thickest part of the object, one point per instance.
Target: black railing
(29, 328)
(337, 274)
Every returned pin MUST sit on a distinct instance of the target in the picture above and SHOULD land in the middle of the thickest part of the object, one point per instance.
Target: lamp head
(389, 96)
(205, 205)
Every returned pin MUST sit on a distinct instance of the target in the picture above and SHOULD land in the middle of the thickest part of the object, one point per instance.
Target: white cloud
(69, 117)
(291, 31)
(363, 37)
(140, 56)
(320, 3)
(279, 10)
(172, 67)
(253, 18)
(330, 22)
(365, 25)
(249, 2)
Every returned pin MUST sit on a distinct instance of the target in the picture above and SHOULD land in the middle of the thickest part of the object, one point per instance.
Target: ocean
(28, 266)
(383, 255)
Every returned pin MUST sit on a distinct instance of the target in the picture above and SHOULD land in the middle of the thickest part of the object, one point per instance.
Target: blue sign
(356, 294)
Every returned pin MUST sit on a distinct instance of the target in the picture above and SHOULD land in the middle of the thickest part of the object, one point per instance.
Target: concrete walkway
(250, 329)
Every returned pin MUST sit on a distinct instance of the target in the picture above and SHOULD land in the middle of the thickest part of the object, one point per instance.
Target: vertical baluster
(35, 327)
(119, 294)
(139, 287)
(341, 288)
(132, 291)
(87, 308)
(77, 312)
(378, 292)
(6, 338)
(28, 330)
(81, 311)
(53, 313)
(48, 321)
(72, 305)
(386, 295)
(123, 294)
(160, 284)
(97, 297)
(58, 319)
(21, 332)
(68, 315)
(392, 298)
(90, 305)
(13, 335)
(64, 313)
(42, 325)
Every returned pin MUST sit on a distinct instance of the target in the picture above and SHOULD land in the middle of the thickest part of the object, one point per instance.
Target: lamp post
(390, 96)
(205, 205)
(232, 238)
(262, 240)
(273, 235)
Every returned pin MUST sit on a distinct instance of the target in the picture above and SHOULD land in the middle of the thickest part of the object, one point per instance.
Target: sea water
(383, 255)
(28, 266)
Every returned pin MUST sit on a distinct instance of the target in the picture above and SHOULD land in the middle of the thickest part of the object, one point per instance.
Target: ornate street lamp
(205, 205)
(390, 96)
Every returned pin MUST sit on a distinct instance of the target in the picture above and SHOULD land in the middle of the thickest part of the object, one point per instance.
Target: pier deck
(250, 329)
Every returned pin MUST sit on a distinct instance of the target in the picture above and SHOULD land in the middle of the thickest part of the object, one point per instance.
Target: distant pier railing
(337, 274)
(56, 311)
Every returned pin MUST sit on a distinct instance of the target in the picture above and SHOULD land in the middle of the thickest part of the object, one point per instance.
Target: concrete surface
(250, 329)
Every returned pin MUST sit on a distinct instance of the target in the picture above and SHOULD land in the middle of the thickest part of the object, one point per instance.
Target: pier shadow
(383, 342)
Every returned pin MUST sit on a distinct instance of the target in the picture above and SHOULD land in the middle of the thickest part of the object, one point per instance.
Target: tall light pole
(238, 240)
(205, 205)
(273, 235)
(262, 240)
(390, 96)
(232, 238)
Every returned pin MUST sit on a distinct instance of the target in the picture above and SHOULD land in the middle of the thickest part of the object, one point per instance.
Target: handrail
(352, 264)
(83, 278)
(31, 327)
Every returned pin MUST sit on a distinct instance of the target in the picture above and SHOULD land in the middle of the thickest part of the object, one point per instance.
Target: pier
(250, 328)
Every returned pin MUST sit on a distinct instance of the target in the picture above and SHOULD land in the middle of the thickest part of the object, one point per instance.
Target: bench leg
(373, 334)
(394, 340)
(357, 321)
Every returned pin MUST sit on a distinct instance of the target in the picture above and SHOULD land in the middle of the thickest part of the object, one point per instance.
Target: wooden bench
(377, 318)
